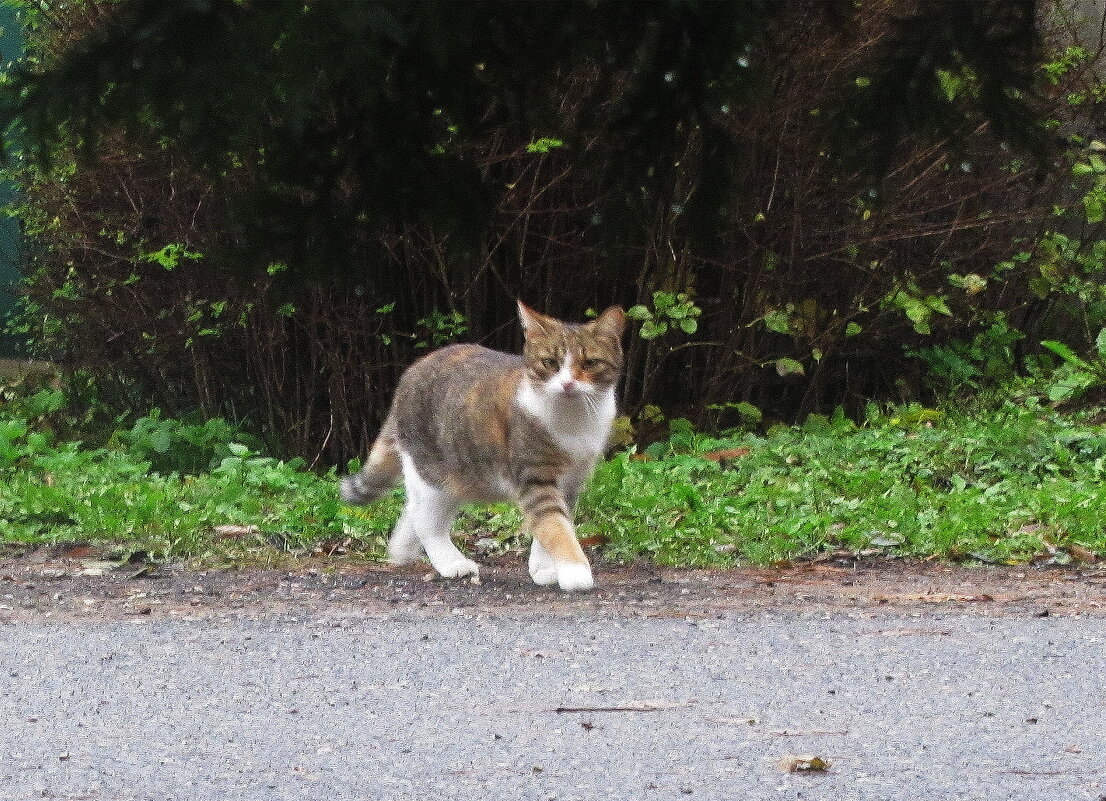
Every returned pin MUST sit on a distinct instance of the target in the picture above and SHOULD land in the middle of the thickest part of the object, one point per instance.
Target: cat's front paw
(575, 577)
(459, 568)
(543, 575)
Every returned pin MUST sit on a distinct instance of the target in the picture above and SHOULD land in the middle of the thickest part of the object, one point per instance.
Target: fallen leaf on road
(807, 763)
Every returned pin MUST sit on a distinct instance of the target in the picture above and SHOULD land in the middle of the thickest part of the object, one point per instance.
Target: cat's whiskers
(590, 404)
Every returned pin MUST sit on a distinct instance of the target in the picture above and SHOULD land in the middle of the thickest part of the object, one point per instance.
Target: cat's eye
(592, 364)
(550, 364)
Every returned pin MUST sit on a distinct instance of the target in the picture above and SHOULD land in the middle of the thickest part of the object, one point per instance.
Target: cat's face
(566, 360)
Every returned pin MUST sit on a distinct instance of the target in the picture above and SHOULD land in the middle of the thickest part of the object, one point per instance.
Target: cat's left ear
(612, 322)
(532, 320)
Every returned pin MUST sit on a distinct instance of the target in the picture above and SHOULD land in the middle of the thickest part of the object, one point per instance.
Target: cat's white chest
(579, 426)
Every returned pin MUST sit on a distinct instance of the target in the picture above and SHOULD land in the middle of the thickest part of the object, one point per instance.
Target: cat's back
(454, 384)
(457, 368)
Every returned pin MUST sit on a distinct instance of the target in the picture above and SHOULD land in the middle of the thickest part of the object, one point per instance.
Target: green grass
(1005, 485)
(168, 489)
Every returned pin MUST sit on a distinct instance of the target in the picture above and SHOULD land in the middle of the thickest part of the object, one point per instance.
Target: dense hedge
(292, 305)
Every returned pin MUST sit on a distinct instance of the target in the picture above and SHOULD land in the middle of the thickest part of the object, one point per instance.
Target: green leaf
(749, 412)
(1066, 353)
(689, 325)
(852, 329)
(1094, 208)
(778, 321)
(1100, 343)
(938, 305)
(639, 312)
(544, 145)
(787, 366)
(160, 440)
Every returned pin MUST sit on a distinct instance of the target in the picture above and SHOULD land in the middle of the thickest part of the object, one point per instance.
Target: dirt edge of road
(47, 586)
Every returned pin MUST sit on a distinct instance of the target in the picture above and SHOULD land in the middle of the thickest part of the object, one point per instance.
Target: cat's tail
(381, 472)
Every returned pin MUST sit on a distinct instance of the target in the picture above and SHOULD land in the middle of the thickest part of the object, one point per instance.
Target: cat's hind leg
(430, 513)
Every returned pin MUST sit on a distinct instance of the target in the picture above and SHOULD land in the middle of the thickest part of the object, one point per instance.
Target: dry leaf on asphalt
(805, 763)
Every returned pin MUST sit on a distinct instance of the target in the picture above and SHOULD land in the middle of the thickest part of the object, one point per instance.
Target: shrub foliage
(265, 211)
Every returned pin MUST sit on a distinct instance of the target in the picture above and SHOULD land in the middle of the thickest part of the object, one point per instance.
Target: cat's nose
(569, 385)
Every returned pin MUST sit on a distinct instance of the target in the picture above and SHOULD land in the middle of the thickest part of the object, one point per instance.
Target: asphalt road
(582, 700)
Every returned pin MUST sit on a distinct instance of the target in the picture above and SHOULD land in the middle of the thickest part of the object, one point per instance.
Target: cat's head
(569, 360)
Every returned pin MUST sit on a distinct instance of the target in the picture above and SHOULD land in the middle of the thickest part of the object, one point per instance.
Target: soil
(70, 586)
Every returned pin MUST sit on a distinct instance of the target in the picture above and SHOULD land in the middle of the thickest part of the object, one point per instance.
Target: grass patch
(169, 490)
(1006, 485)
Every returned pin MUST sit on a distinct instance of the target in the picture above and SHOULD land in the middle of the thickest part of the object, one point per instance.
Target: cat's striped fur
(472, 424)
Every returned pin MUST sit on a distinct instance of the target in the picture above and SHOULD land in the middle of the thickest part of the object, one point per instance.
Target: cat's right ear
(532, 320)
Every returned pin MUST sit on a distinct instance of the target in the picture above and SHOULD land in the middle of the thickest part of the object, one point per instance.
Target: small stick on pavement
(643, 708)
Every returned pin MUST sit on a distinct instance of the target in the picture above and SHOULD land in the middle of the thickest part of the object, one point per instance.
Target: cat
(472, 424)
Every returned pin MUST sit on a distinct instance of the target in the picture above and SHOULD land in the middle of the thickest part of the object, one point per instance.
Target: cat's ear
(533, 321)
(612, 322)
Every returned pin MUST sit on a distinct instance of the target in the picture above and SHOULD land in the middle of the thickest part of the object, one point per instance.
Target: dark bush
(289, 295)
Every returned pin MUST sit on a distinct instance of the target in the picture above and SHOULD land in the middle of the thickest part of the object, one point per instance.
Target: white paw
(400, 554)
(459, 568)
(575, 577)
(543, 575)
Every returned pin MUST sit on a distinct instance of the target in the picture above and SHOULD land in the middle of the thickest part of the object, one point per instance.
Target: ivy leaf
(689, 325)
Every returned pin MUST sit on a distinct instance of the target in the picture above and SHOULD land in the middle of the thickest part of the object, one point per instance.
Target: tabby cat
(472, 424)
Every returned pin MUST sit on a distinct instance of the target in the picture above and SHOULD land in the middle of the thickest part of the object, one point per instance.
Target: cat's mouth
(574, 390)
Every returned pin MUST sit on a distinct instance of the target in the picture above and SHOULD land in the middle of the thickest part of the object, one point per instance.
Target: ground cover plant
(166, 489)
(1015, 482)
